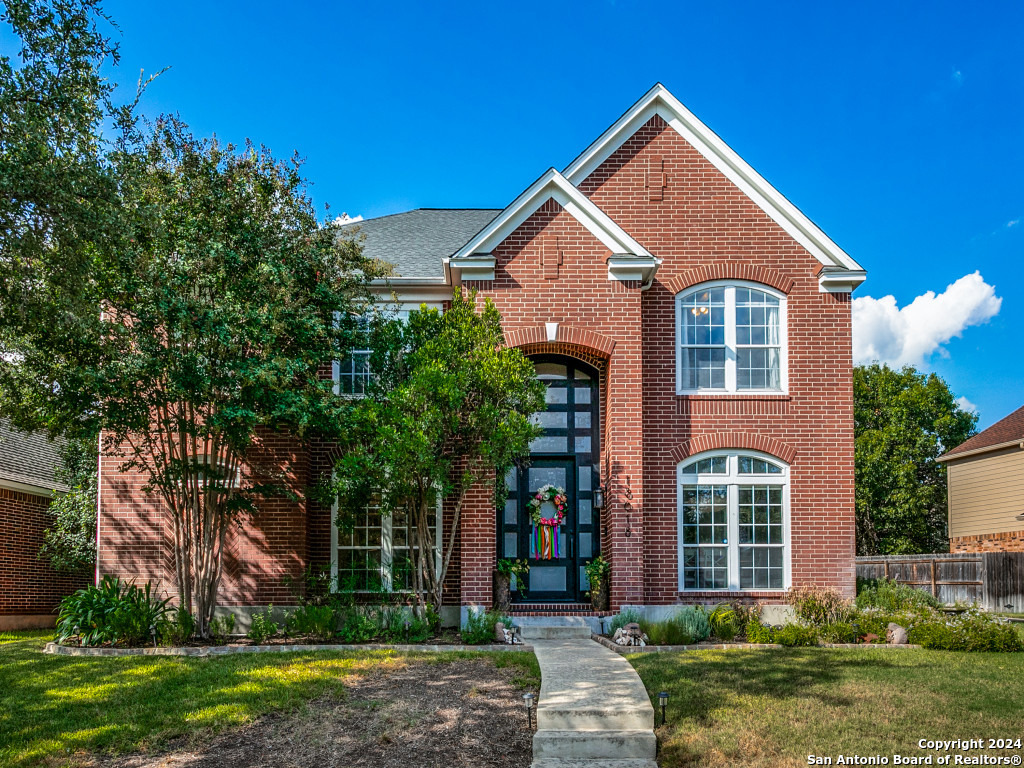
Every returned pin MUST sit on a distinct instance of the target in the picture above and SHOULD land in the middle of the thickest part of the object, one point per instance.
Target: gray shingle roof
(28, 458)
(417, 241)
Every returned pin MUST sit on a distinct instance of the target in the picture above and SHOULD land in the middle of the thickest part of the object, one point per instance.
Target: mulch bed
(421, 715)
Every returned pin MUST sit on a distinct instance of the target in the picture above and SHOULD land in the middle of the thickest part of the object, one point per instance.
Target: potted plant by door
(504, 570)
(599, 573)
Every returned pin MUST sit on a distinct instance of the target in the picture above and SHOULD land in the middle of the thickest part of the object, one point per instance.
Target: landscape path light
(663, 703)
(528, 699)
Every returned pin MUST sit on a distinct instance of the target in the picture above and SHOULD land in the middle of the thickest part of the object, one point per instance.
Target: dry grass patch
(774, 708)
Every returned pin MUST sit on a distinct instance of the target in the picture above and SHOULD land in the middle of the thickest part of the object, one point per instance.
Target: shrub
(723, 622)
(667, 632)
(745, 614)
(892, 596)
(819, 605)
(263, 626)
(760, 633)
(356, 627)
(115, 612)
(839, 632)
(969, 631)
(317, 621)
(694, 621)
(479, 626)
(627, 616)
(222, 627)
(180, 630)
(794, 634)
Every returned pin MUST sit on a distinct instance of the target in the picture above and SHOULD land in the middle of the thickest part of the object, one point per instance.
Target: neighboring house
(985, 480)
(30, 588)
(693, 330)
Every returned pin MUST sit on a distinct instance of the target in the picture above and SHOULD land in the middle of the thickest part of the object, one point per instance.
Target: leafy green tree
(213, 307)
(58, 193)
(903, 421)
(70, 543)
(450, 408)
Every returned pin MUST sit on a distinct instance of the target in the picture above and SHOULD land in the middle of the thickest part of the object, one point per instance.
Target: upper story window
(352, 373)
(731, 338)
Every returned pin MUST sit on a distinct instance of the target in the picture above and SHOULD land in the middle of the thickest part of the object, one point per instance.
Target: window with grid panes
(732, 523)
(375, 551)
(731, 338)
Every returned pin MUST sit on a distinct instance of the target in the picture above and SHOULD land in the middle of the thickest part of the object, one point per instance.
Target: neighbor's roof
(28, 458)
(417, 242)
(1001, 434)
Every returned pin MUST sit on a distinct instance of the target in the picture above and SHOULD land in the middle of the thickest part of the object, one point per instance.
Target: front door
(565, 456)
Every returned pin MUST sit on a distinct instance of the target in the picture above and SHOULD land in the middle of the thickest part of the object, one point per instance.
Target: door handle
(569, 539)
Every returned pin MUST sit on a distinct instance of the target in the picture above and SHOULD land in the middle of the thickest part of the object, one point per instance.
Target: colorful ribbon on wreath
(544, 542)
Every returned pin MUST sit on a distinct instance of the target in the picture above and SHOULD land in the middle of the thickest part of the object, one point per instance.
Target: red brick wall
(266, 552)
(991, 542)
(29, 586)
(551, 269)
(701, 221)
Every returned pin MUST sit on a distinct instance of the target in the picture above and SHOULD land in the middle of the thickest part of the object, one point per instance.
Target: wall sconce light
(528, 703)
(599, 497)
(663, 703)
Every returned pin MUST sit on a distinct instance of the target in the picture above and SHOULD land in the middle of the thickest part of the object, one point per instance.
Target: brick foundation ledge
(227, 650)
(1012, 541)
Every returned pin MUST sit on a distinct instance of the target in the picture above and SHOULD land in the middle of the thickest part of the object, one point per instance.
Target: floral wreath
(553, 494)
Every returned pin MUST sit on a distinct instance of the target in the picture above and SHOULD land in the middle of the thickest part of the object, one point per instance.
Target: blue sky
(898, 128)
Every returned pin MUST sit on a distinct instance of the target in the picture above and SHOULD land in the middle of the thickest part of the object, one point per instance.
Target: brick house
(693, 328)
(30, 588)
(985, 483)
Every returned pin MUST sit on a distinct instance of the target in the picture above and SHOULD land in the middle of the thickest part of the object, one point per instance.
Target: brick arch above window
(730, 271)
(714, 441)
(565, 334)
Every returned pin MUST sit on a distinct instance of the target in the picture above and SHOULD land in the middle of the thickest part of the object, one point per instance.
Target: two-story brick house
(693, 328)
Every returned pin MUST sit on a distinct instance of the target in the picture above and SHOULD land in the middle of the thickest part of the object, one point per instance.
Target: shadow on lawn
(700, 683)
(55, 705)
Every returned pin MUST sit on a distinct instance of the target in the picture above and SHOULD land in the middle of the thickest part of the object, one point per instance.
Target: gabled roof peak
(659, 101)
(553, 185)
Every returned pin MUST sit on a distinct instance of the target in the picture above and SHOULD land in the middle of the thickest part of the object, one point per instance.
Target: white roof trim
(30, 489)
(552, 185)
(659, 101)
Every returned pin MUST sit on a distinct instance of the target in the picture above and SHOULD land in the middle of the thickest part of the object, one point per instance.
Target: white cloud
(967, 405)
(346, 219)
(884, 332)
(1012, 223)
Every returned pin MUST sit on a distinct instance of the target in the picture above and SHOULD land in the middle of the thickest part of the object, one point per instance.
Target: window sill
(783, 396)
(717, 593)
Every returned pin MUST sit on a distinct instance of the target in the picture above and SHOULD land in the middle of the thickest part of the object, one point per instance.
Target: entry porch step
(557, 609)
(594, 745)
(598, 762)
(554, 627)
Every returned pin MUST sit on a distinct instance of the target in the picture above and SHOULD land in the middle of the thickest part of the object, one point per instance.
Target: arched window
(733, 522)
(731, 337)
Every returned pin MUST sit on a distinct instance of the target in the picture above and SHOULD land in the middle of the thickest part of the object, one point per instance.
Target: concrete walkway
(593, 710)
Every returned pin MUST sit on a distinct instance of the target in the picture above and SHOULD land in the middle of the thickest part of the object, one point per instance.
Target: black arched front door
(566, 456)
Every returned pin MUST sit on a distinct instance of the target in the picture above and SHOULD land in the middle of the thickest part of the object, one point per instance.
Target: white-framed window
(374, 551)
(733, 522)
(731, 337)
(352, 373)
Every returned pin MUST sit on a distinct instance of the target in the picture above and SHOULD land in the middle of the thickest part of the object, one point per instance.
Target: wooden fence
(993, 580)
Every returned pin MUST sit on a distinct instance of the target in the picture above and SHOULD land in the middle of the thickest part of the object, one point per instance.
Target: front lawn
(57, 710)
(775, 708)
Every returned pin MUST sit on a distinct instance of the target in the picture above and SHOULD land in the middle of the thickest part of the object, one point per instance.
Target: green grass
(55, 710)
(774, 708)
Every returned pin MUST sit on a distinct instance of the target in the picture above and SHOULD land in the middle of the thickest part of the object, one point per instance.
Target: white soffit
(659, 101)
(554, 186)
